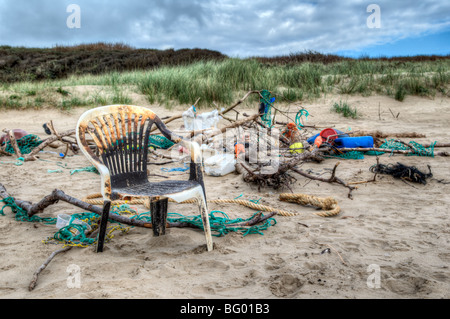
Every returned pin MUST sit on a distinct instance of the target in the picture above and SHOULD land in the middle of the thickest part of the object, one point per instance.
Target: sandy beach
(391, 229)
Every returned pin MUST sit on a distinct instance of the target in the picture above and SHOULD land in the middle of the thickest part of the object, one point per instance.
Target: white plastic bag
(220, 165)
(194, 121)
(64, 220)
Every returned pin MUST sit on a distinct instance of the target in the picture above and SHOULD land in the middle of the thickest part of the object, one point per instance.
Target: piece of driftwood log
(13, 142)
(58, 195)
(33, 282)
(379, 134)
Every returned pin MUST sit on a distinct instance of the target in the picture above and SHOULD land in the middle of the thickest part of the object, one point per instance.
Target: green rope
(154, 141)
(18, 162)
(298, 118)
(26, 144)
(91, 169)
(22, 215)
(51, 171)
(74, 234)
(416, 149)
(218, 224)
(265, 99)
(354, 155)
(373, 153)
(159, 141)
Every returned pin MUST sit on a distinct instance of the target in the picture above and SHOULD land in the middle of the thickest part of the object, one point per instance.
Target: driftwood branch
(379, 136)
(331, 179)
(255, 220)
(281, 137)
(32, 285)
(33, 282)
(58, 195)
(72, 144)
(239, 102)
(437, 145)
(13, 142)
(3, 152)
(373, 180)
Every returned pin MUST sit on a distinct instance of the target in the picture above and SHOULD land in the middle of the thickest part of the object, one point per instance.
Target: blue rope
(177, 169)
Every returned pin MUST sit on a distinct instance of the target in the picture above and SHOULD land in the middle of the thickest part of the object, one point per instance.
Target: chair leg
(158, 210)
(205, 219)
(102, 227)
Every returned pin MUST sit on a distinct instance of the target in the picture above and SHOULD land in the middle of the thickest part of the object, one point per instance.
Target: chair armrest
(196, 169)
(106, 180)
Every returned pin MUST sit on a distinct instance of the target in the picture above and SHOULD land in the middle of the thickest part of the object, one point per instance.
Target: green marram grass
(345, 110)
(222, 82)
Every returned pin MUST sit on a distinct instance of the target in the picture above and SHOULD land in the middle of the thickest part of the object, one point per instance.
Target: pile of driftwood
(250, 129)
(239, 128)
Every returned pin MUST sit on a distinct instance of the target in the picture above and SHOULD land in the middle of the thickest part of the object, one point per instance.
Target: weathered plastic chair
(121, 134)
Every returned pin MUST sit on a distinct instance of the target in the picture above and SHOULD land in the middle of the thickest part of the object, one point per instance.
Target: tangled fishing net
(413, 148)
(399, 170)
(26, 144)
(77, 234)
(220, 223)
(159, 141)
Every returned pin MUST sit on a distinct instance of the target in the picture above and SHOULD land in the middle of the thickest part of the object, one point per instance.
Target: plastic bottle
(354, 142)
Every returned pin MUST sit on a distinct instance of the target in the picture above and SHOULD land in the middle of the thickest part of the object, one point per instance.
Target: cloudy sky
(236, 28)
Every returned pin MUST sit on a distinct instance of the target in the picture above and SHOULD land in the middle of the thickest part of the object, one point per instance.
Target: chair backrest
(121, 134)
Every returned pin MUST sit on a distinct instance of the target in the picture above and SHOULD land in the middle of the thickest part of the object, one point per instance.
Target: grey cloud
(257, 27)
